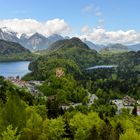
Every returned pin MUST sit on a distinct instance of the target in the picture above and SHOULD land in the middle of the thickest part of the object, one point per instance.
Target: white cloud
(30, 26)
(85, 29)
(93, 10)
(101, 36)
(88, 8)
(98, 35)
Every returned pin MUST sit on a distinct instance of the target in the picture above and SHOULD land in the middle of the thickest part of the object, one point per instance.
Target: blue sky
(117, 14)
(112, 15)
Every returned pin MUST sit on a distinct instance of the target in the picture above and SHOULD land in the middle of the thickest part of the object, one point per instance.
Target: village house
(138, 102)
(73, 105)
(128, 101)
(28, 85)
(92, 98)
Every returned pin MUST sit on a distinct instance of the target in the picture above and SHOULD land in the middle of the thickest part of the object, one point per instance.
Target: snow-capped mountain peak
(7, 30)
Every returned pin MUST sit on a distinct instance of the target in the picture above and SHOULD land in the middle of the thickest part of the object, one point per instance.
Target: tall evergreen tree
(93, 134)
(134, 111)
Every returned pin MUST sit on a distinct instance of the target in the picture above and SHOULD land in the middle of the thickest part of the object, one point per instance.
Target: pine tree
(53, 109)
(118, 130)
(134, 111)
(106, 130)
(93, 135)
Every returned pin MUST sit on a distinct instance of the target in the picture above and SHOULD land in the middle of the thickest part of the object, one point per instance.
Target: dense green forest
(23, 116)
(75, 59)
(66, 81)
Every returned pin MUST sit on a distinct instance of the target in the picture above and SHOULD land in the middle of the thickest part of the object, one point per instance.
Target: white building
(92, 98)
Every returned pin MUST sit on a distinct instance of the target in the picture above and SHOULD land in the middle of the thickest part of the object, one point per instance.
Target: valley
(66, 84)
(69, 70)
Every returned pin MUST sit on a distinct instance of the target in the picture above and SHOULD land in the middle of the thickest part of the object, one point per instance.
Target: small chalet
(128, 101)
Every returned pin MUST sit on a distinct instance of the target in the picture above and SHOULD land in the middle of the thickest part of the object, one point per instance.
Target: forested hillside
(13, 51)
(23, 116)
(107, 84)
(75, 102)
(72, 55)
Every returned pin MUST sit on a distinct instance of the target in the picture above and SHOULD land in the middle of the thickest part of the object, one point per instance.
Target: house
(120, 105)
(128, 101)
(92, 98)
(73, 105)
(65, 106)
(138, 102)
(117, 102)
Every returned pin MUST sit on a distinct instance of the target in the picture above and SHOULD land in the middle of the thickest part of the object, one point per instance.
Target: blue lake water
(19, 68)
(102, 67)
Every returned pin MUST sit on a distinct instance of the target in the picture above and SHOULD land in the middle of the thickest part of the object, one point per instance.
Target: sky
(100, 21)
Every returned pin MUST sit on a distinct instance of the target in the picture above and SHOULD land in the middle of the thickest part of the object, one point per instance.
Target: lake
(102, 67)
(19, 68)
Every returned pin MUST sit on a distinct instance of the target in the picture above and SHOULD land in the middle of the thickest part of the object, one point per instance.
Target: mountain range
(34, 42)
(38, 41)
(91, 45)
(135, 47)
(115, 48)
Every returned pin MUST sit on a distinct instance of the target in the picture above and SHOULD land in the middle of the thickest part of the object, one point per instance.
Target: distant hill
(10, 48)
(74, 57)
(70, 54)
(11, 51)
(115, 48)
(55, 37)
(93, 46)
(68, 43)
(135, 47)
